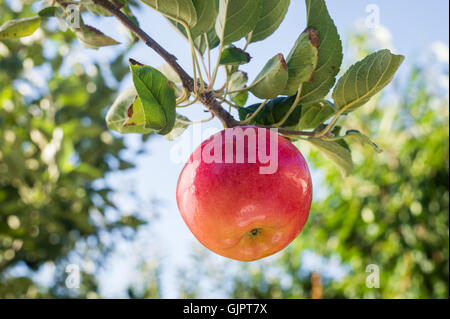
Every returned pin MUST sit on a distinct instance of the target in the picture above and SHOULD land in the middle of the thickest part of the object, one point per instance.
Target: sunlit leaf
(19, 28)
(271, 81)
(237, 18)
(170, 73)
(157, 96)
(206, 16)
(181, 124)
(362, 139)
(273, 13)
(302, 61)
(337, 152)
(365, 78)
(180, 10)
(173, 77)
(92, 38)
(238, 81)
(315, 114)
(126, 106)
(330, 52)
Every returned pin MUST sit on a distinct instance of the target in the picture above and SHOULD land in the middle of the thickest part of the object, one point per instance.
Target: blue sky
(414, 26)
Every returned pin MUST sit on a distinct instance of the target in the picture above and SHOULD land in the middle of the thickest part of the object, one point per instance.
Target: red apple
(239, 207)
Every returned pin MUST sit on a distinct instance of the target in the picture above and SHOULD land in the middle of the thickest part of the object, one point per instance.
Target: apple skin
(236, 211)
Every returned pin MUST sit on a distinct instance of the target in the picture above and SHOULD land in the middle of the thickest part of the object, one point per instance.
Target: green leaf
(49, 12)
(337, 152)
(363, 139)
(96, 9)
(180, 10)
(315, 114)
(206, 11)
(19, 28)
(273, 13)
(173, 77)
(136, 116)
(126, 105)
(302, 61)
(271, 81)
(178, 90)
(238, 81)
(330, 52)
(170, 73)
(181, 124)
(365, 78)
(206, 16)
(92, 38)
(157, 96)
(237, 18)
(240, 98)
(234, 56)
(272, 112)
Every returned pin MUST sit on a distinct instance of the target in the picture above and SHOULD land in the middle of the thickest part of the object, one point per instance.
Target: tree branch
(188, 83)
(206, 98)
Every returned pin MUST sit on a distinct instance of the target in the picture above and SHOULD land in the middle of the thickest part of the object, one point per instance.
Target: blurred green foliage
(54, 145)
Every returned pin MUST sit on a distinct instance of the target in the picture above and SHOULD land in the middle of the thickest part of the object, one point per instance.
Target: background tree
(54, 151)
